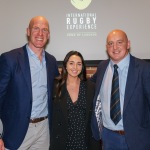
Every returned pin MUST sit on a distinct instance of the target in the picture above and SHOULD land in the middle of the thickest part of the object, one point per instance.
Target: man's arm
(4, 80)
(93, 78)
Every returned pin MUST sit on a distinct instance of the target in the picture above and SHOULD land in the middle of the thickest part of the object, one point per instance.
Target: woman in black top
(72, 107)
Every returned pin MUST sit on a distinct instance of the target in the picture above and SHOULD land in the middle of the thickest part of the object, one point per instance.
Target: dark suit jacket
(136, 111)
(60, 120)
(16, 94)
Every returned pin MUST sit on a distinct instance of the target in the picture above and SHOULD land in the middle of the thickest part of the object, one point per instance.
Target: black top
(78, 117)
(76, 121)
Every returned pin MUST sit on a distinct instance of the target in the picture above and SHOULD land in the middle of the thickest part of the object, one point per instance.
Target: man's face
(38, 33)
(117, 45)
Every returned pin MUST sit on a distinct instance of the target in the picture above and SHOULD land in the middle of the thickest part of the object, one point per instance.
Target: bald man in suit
(131, 131)
(26, 82)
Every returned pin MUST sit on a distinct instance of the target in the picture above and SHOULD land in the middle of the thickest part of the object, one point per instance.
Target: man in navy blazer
(132, 132)
(26, 82)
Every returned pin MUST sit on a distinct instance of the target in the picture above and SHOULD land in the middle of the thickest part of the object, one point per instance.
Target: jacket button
(59, 124)
(57, 136)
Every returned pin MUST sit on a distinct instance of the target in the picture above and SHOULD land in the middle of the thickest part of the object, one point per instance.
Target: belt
(36, 120)
(121, 132)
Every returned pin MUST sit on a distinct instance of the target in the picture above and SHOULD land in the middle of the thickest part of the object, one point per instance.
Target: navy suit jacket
(16, 94)
(136, 111)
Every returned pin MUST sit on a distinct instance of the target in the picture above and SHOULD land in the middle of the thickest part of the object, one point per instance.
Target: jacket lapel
(63, 102)
(48, 75)
(24, 64)
(131, 81)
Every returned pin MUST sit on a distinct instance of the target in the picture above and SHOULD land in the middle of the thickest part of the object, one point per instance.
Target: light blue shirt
(105, 92)
(39, 84)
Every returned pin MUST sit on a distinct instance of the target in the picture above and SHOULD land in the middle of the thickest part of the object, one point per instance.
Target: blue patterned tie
(115, 110)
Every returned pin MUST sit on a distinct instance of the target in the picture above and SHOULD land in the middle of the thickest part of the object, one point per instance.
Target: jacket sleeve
(5, 75)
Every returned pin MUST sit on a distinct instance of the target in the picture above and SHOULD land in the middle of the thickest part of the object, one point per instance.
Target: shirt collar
(32, 54)
(123, 63)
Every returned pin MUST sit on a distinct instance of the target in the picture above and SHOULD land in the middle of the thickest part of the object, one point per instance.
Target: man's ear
(28, 31)
(128, 46)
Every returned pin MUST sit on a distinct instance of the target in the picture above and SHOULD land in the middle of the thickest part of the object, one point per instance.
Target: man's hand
(2, 145)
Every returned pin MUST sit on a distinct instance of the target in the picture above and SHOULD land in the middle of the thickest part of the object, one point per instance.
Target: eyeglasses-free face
(117, 45)
(74, 66)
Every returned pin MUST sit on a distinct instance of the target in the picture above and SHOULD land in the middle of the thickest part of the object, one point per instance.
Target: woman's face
(74, 66)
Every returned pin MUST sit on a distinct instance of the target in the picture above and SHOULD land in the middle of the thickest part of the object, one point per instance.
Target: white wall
(130, 15)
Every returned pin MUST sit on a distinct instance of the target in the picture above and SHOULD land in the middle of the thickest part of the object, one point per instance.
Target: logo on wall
(81, 4)
(81, 23)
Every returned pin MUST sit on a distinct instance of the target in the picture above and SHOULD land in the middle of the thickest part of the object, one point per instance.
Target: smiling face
(117, 45)
(74, 66)
(38, 33)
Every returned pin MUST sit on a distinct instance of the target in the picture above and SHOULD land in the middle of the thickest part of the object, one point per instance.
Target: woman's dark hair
(63, 76)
